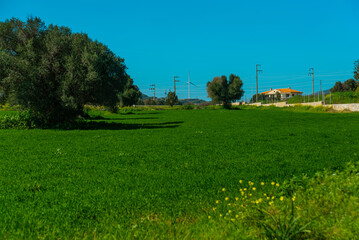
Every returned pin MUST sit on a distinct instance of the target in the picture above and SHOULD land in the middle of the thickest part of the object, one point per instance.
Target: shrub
(20, 120)
(188, 107)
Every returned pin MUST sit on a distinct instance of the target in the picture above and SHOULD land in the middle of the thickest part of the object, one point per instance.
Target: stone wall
(354, 107)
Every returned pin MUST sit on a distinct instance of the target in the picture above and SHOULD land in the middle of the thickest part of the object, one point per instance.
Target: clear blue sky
(160, 39)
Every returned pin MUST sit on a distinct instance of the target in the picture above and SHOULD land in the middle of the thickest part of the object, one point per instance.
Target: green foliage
(157, 172)
(342, 97)
(348, 85)
(338, 87)
(356, 70)
(131, 94)
(54, 73)
(19, 120)
(222, 91)
(189, 107)
(171, 99)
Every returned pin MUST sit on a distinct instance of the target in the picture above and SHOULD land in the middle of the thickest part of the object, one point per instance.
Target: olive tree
(53, 72)
(220, 90)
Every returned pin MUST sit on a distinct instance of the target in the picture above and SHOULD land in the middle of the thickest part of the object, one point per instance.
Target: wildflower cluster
(249, 197)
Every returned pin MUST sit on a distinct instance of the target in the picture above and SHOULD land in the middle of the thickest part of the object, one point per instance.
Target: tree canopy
(356, 70)
(222, 91)
(54, 72)
(338, 87)
(131, 95)
(171, 99)
(348, 85)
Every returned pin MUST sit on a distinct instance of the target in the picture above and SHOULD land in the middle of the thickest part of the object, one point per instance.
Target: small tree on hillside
(338, 87)
(356, 70)
(350, 85)
(171, 99)
(222, 91)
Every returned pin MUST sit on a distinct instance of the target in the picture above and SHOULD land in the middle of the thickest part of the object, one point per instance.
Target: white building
(285, 93)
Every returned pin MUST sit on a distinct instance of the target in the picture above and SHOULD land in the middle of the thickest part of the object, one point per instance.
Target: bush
(20, 120)
(188, 107)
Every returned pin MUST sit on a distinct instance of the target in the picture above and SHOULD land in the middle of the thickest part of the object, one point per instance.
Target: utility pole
(257, 71)
(323, 95)
(252, 95)
(154, 91)
(311, 73)
(174, 83)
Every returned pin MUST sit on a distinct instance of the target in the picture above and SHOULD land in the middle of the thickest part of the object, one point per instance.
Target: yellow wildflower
(217, 201)
(223, 189)
(237, 216)
(293, 198)
(245, 189)
(237, 198)
(273, 197)
(226, 198)
(214, 209)
(250, 194)
(254, 189)
(209, 217)
(232, 219)
(268, 198)
(262, 183)
(229, 204)
(240, 181)
(277, 184)
(229, 211)
(281, 198)
(272, 183)
(220, 215)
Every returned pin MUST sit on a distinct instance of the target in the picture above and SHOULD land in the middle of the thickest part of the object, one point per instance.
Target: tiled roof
(288, 90)
(283, 90)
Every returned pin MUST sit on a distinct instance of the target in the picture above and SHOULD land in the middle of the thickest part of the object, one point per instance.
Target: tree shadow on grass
(103, 125)
(118, 119)
(145, 113)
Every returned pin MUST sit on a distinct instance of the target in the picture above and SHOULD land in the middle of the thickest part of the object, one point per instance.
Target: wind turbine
(189, 85)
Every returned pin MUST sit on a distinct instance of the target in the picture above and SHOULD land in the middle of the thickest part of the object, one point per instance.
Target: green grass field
(168, 164)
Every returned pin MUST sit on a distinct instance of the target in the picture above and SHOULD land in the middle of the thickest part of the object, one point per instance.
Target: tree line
(350, 84)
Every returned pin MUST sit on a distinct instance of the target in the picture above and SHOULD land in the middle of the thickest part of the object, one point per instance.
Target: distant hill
(144, 96)
(194, 101)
